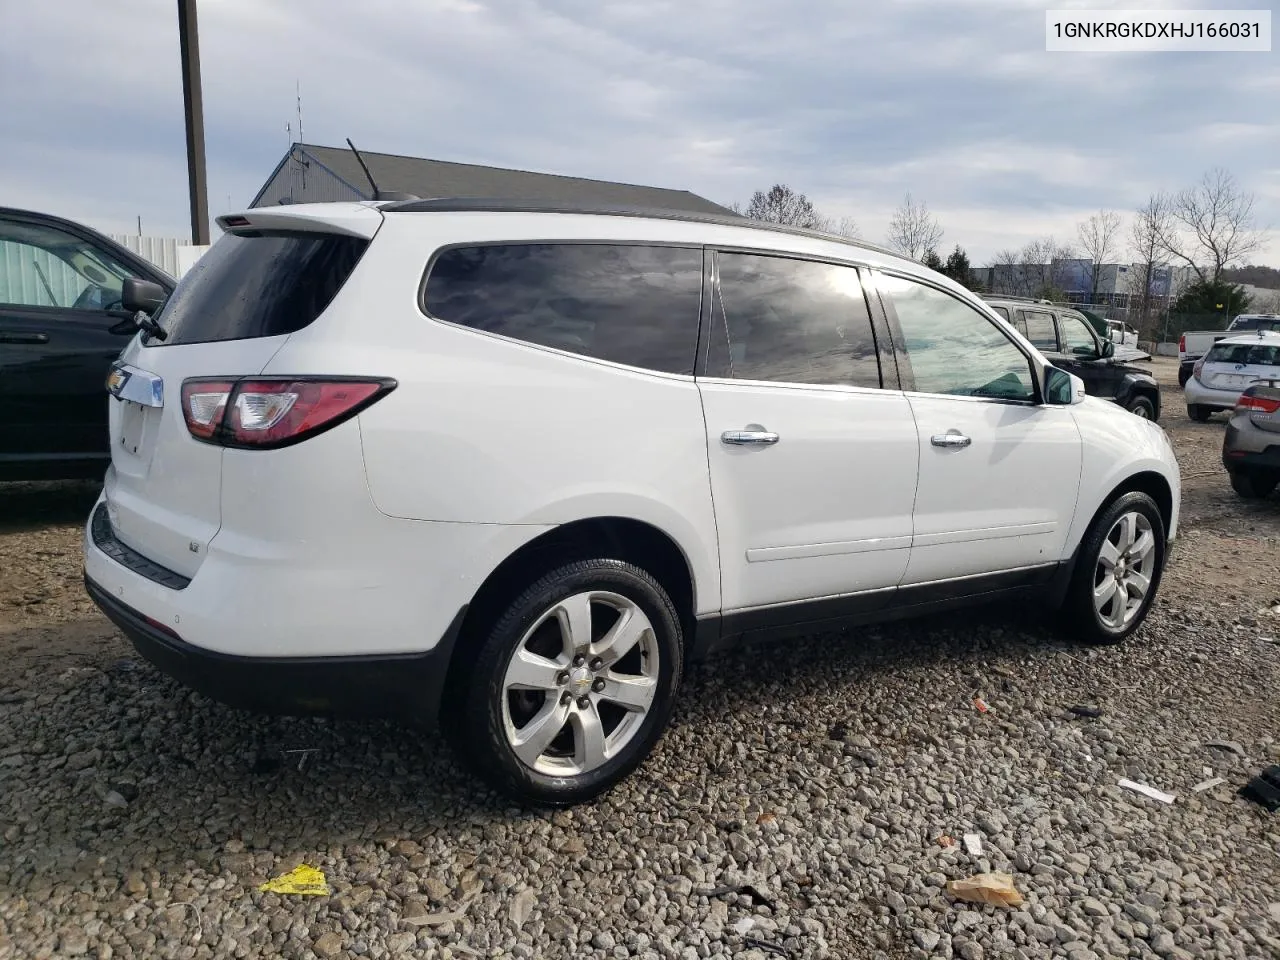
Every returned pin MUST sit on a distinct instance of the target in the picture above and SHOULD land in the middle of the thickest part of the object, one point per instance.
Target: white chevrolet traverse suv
(509, 468)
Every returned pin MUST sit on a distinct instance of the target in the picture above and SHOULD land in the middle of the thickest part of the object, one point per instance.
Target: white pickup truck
(1122, 335)
(1194, 344)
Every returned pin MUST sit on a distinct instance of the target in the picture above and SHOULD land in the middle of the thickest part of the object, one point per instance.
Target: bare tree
(1007, 276)
(1100, 241)
(844, 227)
(1267, 303)
(1151, 225)
(913, 229)
(781, 204)
(1037, 270)
(1213, 225)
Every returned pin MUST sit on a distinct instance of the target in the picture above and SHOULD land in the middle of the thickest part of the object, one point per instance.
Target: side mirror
(1061, 388)
(141, 295)
(1108, 349)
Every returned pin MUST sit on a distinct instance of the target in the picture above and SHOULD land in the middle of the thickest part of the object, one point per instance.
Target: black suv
(1069, 342)
(62, 323)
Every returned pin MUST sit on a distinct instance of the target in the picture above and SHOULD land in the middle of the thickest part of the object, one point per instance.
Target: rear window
(259, 284)
(636, 305)
(1248, 353)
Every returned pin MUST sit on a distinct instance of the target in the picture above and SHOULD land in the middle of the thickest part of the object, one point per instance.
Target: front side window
(636, 305)
(1077, 337)
(791, 321)
(953, 349)
(42, 266)
(1039, 329)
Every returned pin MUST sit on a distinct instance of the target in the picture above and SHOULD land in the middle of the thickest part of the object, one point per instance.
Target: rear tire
(1142, 407)
(1253, 485)
(1198, 413)
(572, 686)
(1118, 570)
(1184, 374)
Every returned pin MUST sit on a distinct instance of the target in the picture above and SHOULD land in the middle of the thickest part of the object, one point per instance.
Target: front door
(813, 465)
(999, 472)
(1082, 355)
(60, 328)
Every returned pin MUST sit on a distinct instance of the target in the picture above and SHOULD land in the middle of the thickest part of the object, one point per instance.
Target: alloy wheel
(1124, 570)
(579, 684)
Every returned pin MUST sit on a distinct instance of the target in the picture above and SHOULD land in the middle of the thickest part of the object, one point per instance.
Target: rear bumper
(405, 687)
(1242, 454)
(1200, 395)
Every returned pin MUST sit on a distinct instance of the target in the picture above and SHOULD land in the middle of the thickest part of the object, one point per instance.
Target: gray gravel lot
(825, 778)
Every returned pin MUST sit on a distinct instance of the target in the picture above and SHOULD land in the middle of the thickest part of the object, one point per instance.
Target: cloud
(853, 104)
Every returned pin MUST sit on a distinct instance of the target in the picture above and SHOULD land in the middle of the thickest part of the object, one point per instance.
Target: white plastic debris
(1204, 785)
(1147, 791)
(744, 925)
(973, 844)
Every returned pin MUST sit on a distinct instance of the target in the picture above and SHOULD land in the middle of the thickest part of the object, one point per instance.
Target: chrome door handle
(957, 440)
(746, 437)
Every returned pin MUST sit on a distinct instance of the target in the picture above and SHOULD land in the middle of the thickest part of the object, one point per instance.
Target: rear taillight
(268, 412)
(1197, 367)
(1257, 404)
(1182, 343)
(203, 403)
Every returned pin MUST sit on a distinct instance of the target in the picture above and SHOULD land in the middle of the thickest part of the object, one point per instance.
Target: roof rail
(500, 205)
(1009, 296)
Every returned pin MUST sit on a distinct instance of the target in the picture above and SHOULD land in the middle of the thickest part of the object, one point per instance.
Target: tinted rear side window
(636, 305)
(791, 321)
(262, 284)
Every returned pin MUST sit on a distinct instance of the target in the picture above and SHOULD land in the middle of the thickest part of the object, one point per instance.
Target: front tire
(1198, 413)
(572, 686)
(1253, 485)
(1118, 570)
(1142, 407)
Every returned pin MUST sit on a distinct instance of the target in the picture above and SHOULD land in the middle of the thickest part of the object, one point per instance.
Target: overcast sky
(852, 103)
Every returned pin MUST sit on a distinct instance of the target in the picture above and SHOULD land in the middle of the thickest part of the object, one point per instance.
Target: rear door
(812, 462)
(61, 326)
(229, 315)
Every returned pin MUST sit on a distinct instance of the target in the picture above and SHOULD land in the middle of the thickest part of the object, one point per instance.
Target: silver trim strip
(988, 533)
(837, 548)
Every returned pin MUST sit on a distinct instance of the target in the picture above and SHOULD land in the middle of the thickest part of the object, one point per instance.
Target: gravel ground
(824, 780)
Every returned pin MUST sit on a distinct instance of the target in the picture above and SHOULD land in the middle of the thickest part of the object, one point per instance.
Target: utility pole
(189, 40)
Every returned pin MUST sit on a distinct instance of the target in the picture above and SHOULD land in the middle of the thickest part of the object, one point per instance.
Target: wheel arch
(615, 538)
(1132, 387)
(1154, 484)
(1150, 482)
